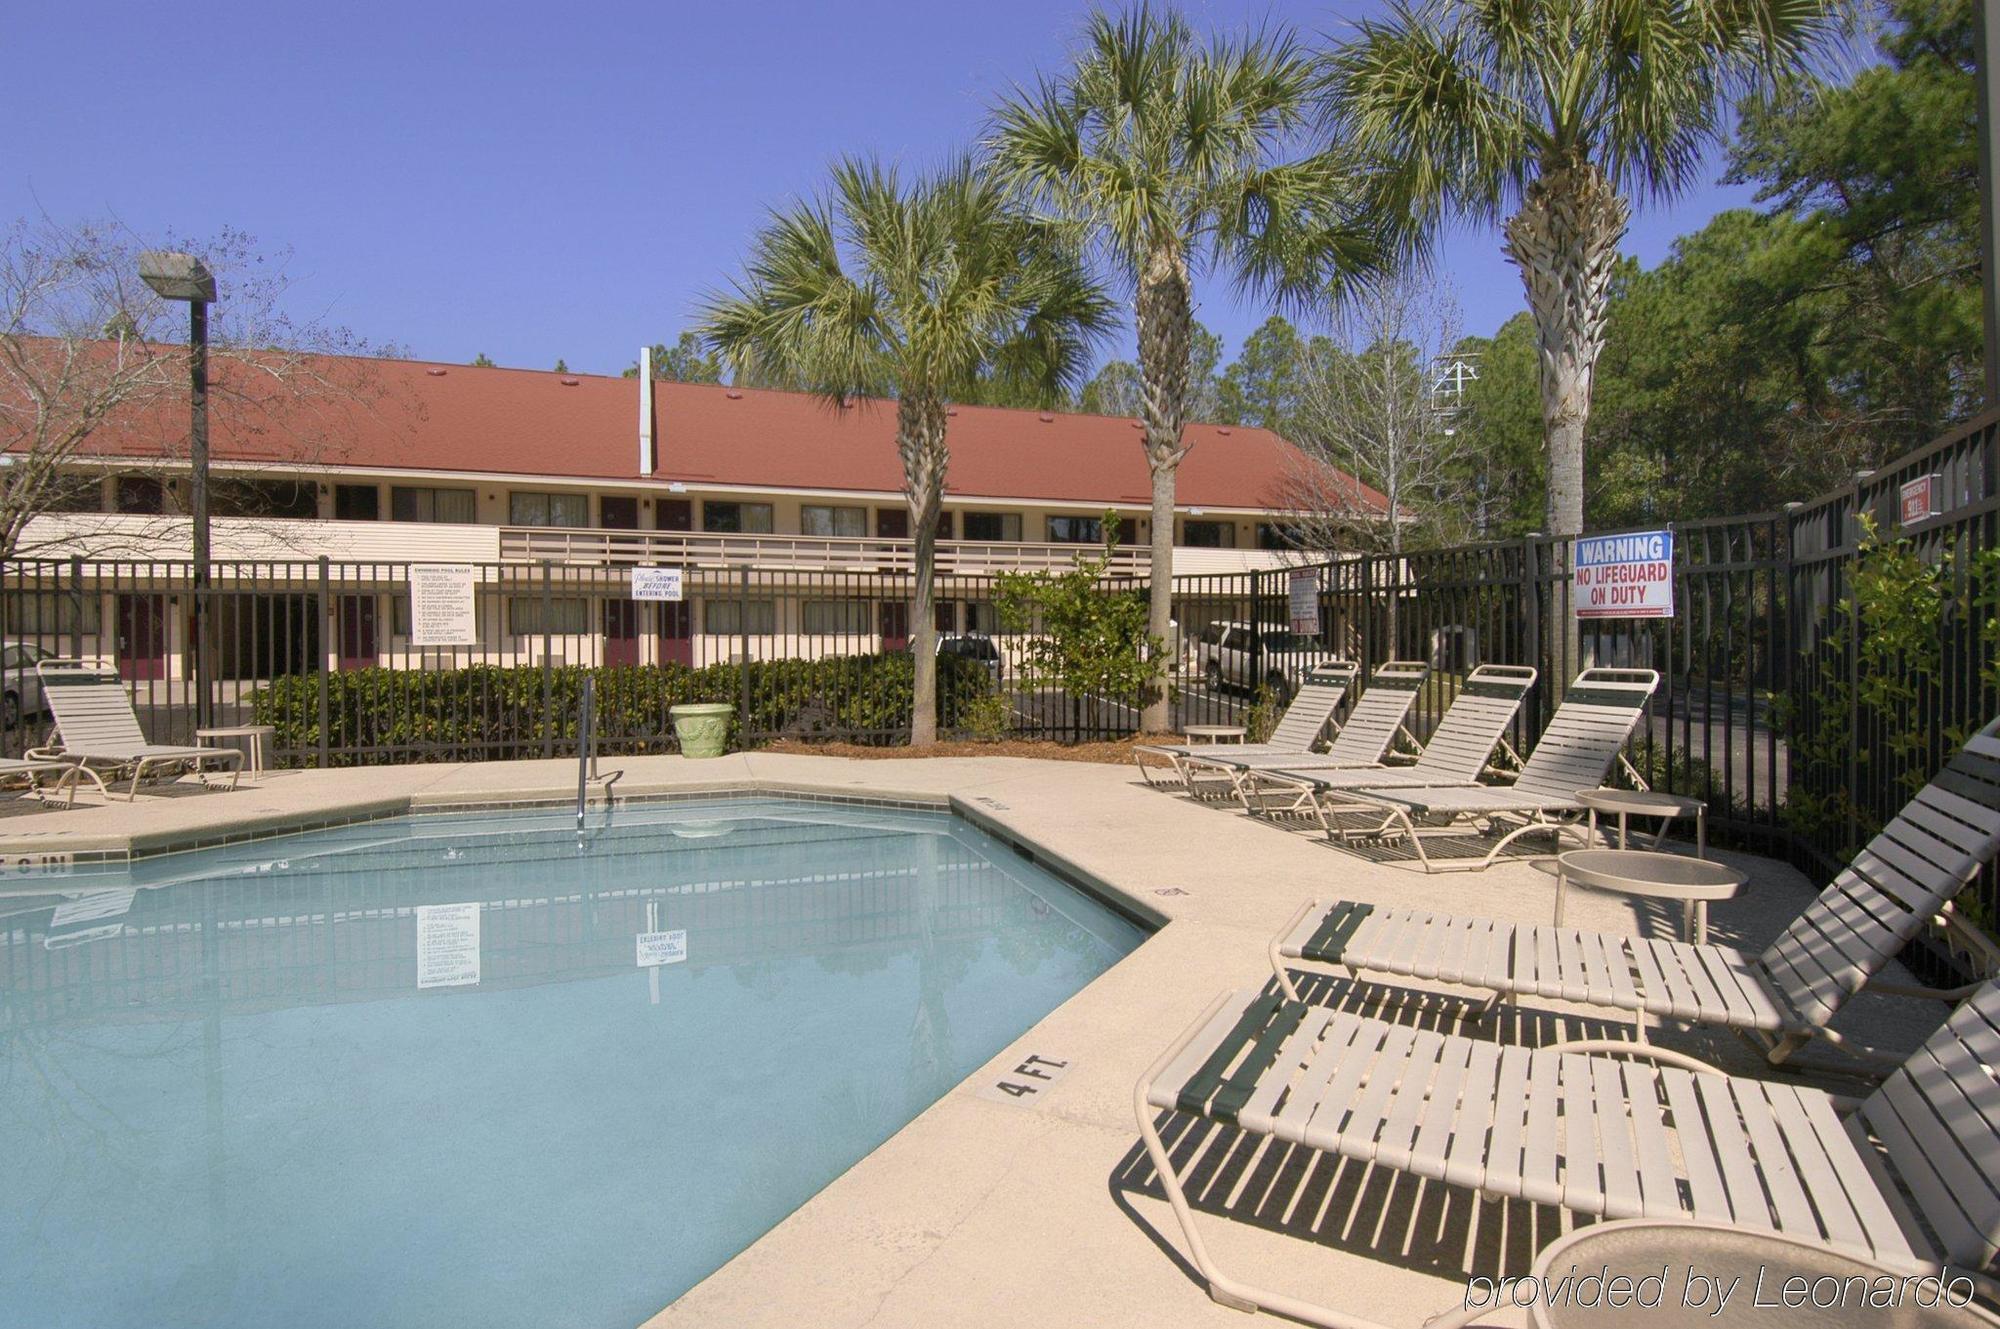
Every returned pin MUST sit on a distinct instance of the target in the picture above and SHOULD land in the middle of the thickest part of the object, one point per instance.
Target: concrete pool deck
(991, 1209)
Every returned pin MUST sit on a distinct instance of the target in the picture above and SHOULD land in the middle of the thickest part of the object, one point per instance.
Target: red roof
(415, 415)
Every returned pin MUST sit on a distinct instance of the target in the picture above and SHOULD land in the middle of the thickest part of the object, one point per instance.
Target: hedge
(483, 712)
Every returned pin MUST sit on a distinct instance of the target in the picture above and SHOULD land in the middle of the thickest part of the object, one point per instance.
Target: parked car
(1234, 655)
(20, 685)
(973, 646)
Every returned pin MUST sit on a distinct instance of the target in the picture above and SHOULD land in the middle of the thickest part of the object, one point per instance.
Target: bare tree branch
(1369, 412)
(94, 378)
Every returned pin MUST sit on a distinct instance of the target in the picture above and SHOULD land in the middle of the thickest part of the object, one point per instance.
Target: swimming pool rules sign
(442, 611)
(1624, 576)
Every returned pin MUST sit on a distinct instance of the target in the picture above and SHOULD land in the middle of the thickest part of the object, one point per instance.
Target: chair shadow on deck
(1353, 1207)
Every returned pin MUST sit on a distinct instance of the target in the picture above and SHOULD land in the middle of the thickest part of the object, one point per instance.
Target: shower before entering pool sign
(1624, 576)
(657, 583)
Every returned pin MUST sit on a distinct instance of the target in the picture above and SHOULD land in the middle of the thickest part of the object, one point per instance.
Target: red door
(142, 636)
(359, 648)
(895, 621)
(621, 633)
(676, 631)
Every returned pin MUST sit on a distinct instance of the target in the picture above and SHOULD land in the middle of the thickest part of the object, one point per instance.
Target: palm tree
(1558, 110)
(1165, 153)
(918, 293)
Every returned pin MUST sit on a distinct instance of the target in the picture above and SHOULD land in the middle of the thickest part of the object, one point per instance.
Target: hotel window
(1209, 534)
(819, 519)
(566, 614)
(837, 618)
(414, 503)
(238, 497)
(1272, 535)
(51, 613)
(74, 493)
(993, 527)
(142, 494)
(983, 617)
(1089, 530)
(730, 618)
(736, 518)
(357, 503)
(548, 509)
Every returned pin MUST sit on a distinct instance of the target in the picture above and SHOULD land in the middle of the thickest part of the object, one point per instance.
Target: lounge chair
(1372, 725)
(1576, 752)
(1782, 996)
(1570, 1125)
(37, 771)
(1457, 752)
(1320, 693)
(98, 730)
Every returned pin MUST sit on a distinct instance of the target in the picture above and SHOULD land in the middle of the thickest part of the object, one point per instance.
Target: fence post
(743, 654)
(76, 607)
(325, 616)
(1531, 629)
(548, 664)
(1251, 680)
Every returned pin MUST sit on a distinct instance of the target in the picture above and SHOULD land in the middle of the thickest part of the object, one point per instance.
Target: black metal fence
(1777, 703)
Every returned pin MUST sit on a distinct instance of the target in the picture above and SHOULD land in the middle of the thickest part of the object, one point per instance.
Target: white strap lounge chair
(1781, 997)
(1570, 1125)
(39, 772)
(1456, 753)
(98, 730)
(1320, 693)
(1372, 725)
(1576, 751)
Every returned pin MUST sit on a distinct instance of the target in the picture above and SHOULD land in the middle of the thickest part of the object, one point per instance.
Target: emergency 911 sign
(1624, 576)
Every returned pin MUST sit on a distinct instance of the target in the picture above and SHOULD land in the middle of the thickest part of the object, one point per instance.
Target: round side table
(1691, 881)
(1687, 1263)
(256, 733)
(1213, 733)
(1628, 803)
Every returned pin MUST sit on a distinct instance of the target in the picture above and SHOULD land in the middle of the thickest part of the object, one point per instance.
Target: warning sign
(1624, 576)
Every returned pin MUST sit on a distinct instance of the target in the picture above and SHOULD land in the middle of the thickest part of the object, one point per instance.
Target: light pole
(176, 276)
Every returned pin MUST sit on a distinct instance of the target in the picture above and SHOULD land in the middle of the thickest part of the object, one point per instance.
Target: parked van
(1234, 655)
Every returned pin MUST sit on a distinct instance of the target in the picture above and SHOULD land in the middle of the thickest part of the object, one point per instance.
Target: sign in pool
(1624, 576)
(447, 945)
(657, 948)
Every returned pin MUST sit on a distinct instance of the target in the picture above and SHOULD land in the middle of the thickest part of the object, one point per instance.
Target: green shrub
(380, 716)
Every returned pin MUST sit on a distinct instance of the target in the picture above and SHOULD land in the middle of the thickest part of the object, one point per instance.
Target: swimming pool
(225, 1099)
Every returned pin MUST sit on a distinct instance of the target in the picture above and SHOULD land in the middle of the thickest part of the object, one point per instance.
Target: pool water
(225, 1100)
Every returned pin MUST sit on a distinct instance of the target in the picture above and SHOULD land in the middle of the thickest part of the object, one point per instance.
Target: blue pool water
(224, 1099)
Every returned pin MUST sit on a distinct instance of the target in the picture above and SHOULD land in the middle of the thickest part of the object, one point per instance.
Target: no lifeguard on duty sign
(1624, 576)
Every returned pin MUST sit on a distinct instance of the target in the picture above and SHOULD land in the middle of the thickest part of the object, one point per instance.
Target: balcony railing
(696, 549)
(129, 536)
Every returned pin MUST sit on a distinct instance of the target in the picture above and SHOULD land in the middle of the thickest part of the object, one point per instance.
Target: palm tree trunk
(920, 438)
(1166, 320)
(1565, 240)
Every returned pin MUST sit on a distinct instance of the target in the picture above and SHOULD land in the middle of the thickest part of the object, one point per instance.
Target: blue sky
(543, 181)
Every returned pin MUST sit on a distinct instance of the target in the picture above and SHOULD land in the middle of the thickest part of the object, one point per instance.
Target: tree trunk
(1166, 318)
(1565, 242)
(920, 438)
